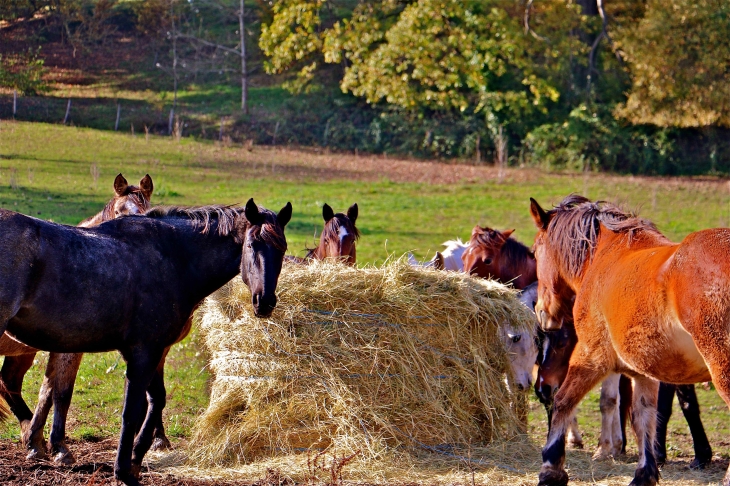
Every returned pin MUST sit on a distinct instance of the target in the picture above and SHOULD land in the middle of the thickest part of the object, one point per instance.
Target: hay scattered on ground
(385, 363)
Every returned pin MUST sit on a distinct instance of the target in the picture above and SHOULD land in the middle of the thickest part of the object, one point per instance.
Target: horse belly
(676, 359)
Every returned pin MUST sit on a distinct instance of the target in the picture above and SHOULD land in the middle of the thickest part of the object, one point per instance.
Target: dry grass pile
(365, 361)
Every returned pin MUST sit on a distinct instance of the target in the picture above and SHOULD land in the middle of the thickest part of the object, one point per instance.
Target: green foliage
(679, 56)
(23, 72)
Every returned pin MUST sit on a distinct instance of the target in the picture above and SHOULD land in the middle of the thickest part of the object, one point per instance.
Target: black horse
(131, 285)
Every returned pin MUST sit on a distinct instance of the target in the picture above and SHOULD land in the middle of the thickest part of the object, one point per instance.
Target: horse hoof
(127, 478)
(601, 455)
(37, 454)
(553, 477)
(646, 476)
(64, 458)
(699, 463)
(575, 444)
(161, 444)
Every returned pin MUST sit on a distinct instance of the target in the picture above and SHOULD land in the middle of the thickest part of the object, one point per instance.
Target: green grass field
(65, 174)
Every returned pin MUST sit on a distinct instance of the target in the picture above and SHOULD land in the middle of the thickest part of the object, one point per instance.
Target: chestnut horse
(644, 306)
(58, 383)
(493, 254)
(338, 237)
(131, 284)
(557, 349)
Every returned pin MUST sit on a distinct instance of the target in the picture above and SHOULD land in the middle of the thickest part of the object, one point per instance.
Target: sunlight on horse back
(128, 199)
(437, 262)
(338, 237)
(453, 249)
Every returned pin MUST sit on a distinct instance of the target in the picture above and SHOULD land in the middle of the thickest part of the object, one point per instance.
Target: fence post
(68, 110)
(220, 132)
(15, 102)
(276, 131)
(119, 110)
(169, 121)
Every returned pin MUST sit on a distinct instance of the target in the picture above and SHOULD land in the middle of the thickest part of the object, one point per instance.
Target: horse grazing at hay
(58, 383)
(644, 306)
(131, 284)
(616, 389)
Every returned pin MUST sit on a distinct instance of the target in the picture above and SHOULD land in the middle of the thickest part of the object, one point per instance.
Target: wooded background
(638, 86)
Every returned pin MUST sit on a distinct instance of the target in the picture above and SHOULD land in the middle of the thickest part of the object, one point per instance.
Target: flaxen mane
(574, 228)
(270, 232)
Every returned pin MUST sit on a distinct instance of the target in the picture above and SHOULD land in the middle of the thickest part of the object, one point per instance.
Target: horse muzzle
(263, 306)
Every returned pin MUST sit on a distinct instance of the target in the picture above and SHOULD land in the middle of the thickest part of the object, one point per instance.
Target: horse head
(130, 199)
(264, 245)
(339, 235)
(555, 295)
(556, 347)
(482, 256)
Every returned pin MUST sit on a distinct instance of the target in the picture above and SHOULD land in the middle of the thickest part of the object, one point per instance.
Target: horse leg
(141, 368)
(643, 419)
(625, 393)
(575, 439)
(664, 412)
(691, 408)
(156, 398)
(67, 367)
(578, 382)
(161, 442)
(609, 444)
(12, 374)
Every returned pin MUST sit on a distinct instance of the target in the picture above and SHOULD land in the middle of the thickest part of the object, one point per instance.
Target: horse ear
(476, 230)
(284, 215)
(352, 213)
(327, 212)
(438, 261)
(507, 233)
(252, 213)
(539, 216)
(120, 185)
(146, 186)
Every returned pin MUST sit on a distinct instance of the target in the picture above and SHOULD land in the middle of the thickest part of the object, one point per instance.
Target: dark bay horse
(644, 306)
(62, 368)
(131, 285)
(338, 237)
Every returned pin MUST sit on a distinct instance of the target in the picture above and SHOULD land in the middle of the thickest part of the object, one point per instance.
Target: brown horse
(61, 370)
(338, 237)
(494, 254)
(644, 306)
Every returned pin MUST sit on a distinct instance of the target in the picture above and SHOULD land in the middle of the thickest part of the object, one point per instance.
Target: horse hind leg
(643, 413)
(156, 398)
(610, 442)
(664, 413)
(575, 439)
(691, 409)
(66, 368)
(160, 441)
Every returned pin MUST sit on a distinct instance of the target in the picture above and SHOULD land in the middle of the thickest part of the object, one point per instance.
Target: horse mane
(270, 232)
(575, 226)
(513, 250)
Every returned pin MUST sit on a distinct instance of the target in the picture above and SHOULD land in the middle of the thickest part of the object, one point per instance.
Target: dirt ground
(94, 466)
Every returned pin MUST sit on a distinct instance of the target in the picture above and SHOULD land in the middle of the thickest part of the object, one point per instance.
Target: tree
(679, 57)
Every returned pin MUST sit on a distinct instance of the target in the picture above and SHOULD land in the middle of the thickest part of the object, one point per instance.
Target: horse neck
(517, 264)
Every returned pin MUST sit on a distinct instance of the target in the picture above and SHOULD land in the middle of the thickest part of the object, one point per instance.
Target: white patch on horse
(454, 249)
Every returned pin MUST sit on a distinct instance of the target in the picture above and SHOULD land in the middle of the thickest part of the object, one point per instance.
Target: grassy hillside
(65, 174)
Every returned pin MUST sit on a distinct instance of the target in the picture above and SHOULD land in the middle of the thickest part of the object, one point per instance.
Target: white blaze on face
(522, 353)
(343, 234)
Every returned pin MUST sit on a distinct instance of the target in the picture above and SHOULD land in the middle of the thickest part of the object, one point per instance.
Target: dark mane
(574, 228)
(226, 217)
(514, 251)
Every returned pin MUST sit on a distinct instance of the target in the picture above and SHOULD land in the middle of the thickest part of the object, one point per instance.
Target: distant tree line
(624, 85)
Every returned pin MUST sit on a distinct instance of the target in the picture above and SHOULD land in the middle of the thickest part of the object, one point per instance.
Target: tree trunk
(244, 72)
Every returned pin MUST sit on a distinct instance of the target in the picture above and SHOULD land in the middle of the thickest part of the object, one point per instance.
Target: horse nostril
(256, 299)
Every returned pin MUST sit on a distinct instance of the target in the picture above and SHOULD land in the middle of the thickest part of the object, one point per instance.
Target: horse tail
(5, 411)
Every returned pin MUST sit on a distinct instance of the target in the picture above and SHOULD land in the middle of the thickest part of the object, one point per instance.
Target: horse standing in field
(643, 306)
(131, 285)
(58, 383)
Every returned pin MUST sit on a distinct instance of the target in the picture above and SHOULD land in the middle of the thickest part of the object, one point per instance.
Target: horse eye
(516, 339)
(488, 261)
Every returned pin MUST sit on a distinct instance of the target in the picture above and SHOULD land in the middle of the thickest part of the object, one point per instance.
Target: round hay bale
(370, 360)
